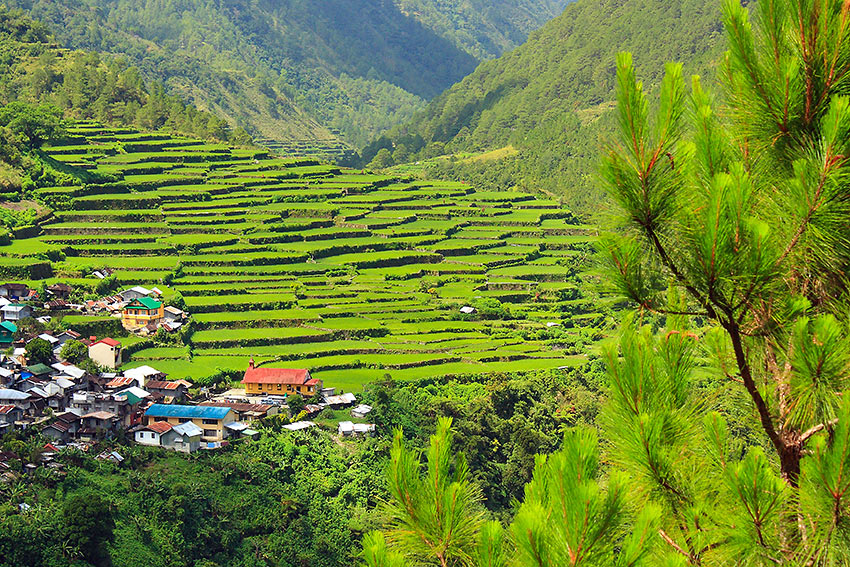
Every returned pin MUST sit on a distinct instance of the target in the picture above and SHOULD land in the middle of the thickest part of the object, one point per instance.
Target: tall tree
(740, 222)
(732, 424)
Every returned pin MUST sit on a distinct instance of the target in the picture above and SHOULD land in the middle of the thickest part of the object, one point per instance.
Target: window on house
(184, 419)
(280, 386)
(210, 422)
(210, 433)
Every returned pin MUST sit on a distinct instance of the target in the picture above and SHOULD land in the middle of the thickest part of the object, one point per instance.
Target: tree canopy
(727, 424)
(31, 125)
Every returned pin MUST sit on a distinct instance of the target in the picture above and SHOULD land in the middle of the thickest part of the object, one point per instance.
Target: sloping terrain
(551, 98)
(298, 70)
(350, 274)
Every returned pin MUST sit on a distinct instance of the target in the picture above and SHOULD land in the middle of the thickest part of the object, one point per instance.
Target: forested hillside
(295, 69)
(41, 84)
(484, 28)
(550, 99)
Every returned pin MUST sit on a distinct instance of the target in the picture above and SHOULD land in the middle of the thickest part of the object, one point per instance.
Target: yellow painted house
(141, 312)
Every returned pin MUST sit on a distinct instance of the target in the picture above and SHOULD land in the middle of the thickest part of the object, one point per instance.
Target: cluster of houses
(140, 309)
(68, 405)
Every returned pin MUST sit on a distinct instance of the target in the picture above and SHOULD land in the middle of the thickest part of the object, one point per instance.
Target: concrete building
(211, 420)
(106, 352)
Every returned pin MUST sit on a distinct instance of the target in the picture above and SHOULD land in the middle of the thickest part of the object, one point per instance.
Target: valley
(395, 283)
(351, 274)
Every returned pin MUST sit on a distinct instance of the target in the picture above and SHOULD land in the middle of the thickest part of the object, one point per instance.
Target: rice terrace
(349, 274)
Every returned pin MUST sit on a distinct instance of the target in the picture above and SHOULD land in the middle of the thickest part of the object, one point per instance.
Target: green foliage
(36, 77)
(726, 422)
(500, 423)
(569, 518)
(299, 498)
(74, 352)
(552, 99)
(738, 222)
(39, 350)
(300, 70)
(106, 286)
(296, 404)
(29, 125)
(28, 327)
(436, 515)
(89, 527)
(11, 218)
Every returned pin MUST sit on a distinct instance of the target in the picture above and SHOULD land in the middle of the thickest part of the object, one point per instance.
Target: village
(71, 389)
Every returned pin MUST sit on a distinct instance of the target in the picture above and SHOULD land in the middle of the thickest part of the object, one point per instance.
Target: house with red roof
(280, 381)
(169, 391)
(150, 434)
(106, 352)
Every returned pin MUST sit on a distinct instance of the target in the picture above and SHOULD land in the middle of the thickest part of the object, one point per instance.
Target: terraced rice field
(350, 274)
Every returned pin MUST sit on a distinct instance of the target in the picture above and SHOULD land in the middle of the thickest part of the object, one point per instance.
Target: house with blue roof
(212, 420)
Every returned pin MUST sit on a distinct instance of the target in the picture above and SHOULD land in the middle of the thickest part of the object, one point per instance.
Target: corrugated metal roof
(120, 382)
(191, 412)
(145, 302)
(39, 369)
(188, 429)
(141, 372)
(8, 394)
(162, 385)
(103, 415)
(158, 427)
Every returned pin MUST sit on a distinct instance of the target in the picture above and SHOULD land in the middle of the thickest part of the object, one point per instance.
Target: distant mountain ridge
(295, 69)
(551, 98)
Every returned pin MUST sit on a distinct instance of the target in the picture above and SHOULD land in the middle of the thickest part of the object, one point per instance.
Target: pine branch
(675, 546)
(809, 433)
(680, 277)
(767, 424)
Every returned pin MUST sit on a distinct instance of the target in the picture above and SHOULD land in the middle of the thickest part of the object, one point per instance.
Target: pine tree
(737, 219)
(727, 421)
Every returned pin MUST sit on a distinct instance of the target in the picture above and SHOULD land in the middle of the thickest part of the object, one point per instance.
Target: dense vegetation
(350, 274)
(84, 86)
(551, 98)
(733, 246)
(295, 69)
(484, 28)
(42, 86)
(288, 499)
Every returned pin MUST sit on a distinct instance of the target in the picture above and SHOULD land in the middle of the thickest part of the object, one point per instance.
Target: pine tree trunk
(790, 456)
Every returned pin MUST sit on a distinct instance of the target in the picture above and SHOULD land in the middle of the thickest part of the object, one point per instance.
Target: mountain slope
(298, 69)
(40, 83)
(484, 28)
(551, 98)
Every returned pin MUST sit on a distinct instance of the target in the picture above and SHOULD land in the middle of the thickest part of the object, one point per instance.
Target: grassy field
(297, 263)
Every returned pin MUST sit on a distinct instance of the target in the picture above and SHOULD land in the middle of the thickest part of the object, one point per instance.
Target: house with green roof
(7, 333)
(40, 370)
(141, 312)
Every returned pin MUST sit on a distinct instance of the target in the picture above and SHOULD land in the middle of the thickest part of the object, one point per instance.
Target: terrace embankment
(351, 274)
